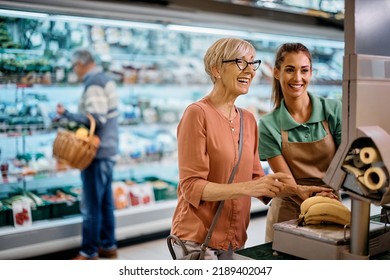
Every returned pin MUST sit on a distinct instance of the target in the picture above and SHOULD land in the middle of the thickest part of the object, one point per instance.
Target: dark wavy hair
(277, 94)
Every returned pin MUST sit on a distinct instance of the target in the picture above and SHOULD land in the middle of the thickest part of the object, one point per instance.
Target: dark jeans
(97, 208)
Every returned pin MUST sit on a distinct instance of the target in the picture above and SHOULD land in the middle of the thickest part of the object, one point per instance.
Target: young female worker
(301, 135)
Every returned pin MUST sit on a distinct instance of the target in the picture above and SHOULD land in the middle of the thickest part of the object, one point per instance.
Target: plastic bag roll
(353, 170)
(375, 178)
(357, 162)
(369, 155)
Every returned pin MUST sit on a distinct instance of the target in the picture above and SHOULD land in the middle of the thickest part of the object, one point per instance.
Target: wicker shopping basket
(73, 151)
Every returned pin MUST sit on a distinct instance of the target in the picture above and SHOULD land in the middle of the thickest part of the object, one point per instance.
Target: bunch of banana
(322, 210)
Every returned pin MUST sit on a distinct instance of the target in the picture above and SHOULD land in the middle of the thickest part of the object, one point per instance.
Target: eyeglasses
(243, 64)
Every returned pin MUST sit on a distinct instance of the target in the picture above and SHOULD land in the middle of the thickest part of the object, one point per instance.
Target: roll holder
(367, 187)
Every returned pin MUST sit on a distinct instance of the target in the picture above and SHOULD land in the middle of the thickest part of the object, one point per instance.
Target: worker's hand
(60, 109)
(328, 194)
(305, 192)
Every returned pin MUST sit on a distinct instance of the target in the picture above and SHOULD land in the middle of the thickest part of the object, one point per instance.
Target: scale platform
(326, 242)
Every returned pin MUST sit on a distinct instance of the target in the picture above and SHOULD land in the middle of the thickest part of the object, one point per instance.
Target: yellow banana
(307, 203)
(321, 219)
(327, 212)
(326, 208)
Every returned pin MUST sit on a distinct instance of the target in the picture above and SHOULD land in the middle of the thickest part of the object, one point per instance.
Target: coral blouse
(208, 151)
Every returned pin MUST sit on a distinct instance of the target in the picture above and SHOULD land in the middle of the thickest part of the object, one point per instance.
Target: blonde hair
(225, 49)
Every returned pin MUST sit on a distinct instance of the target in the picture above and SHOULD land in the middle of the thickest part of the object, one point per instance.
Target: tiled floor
(158, 250)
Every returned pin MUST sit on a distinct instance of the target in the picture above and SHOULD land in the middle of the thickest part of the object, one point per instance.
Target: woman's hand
(271, 185)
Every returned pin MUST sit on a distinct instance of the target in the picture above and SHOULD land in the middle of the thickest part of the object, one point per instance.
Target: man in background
(99, 99)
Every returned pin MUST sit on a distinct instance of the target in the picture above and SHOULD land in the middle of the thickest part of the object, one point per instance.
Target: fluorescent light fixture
(108, 22)
(206, 30)
(308, 41)
(257, 35)
(22, 14)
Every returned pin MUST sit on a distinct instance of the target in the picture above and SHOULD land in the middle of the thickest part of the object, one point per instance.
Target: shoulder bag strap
(220, 206)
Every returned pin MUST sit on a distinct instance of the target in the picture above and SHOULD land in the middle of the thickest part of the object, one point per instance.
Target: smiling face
(294, 74)
(220, 63)
(237, 80)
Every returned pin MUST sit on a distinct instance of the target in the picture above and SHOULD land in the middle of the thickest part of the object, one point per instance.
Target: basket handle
(92, 126)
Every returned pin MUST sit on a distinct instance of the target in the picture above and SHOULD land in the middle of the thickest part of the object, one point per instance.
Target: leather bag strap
(220, 206)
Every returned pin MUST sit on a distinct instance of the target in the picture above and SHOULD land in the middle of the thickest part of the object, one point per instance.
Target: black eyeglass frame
(237, 60)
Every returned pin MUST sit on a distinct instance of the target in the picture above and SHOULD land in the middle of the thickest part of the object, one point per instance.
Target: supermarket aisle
(158, 250)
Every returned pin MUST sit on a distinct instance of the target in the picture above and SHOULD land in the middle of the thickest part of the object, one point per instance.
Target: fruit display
(120, 195)
(21, 210)
(141, 194)
(53, 204)
(65, 201)
(32, 199)
(134, 193)
(59, 196)
(22, 216)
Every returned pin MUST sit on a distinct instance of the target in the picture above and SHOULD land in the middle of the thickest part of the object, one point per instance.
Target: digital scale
(327, 242)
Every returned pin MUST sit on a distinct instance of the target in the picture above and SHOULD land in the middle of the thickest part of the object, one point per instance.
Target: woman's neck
(300, 109)
(224, 104)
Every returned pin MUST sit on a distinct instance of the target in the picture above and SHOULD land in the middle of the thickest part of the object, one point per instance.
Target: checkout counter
(361, 165)
(267, 252)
